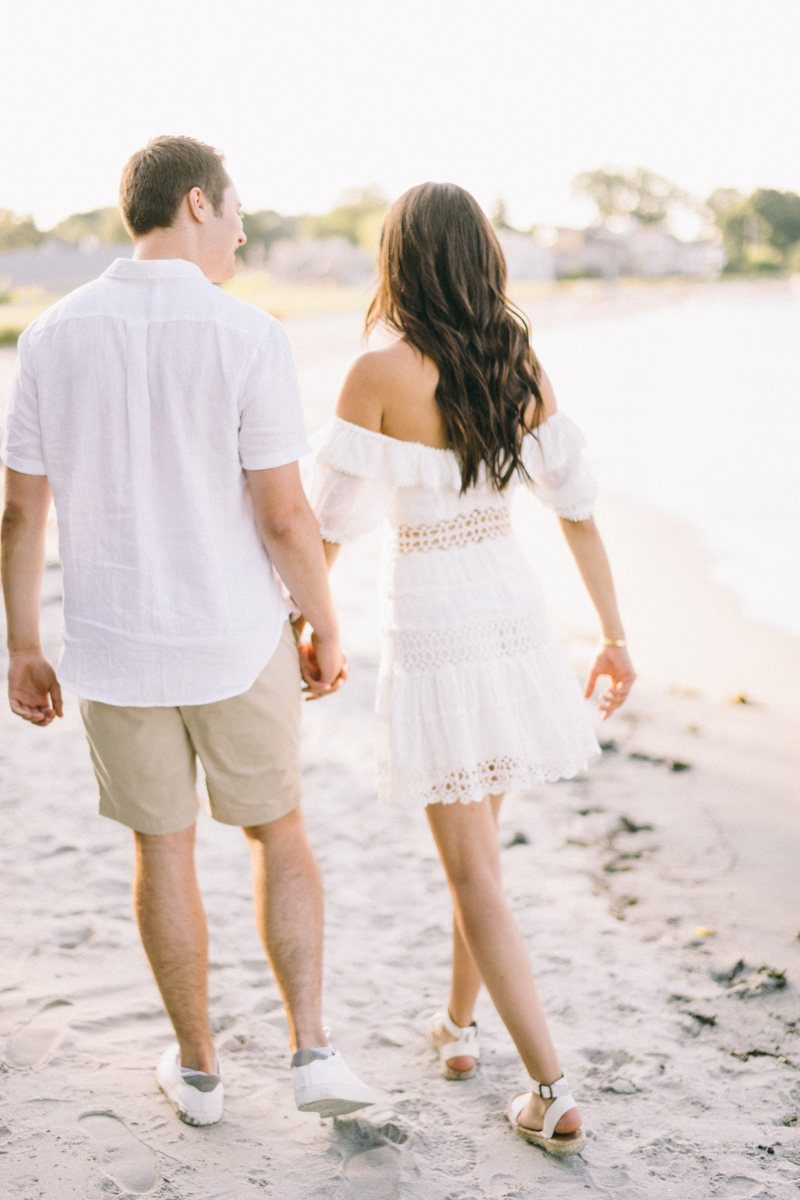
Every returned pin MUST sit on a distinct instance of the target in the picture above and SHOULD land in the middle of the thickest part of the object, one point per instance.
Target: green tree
(733, 215)
(499, 217)
(103, 223)
(17, 232)
(637, 193)
(357, 217)
(761, 231)
(262, 229)
(780, 213)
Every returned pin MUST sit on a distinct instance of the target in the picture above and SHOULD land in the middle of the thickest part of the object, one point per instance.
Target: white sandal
(554, 1143)
(466, 1045)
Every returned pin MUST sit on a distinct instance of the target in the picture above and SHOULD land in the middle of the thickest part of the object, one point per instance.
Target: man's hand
(33, 690)
(323, 667)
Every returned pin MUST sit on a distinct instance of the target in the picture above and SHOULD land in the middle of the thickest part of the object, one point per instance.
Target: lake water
(695, 410)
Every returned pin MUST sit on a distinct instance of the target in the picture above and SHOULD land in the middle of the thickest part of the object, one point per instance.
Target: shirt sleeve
(22, 435)
(272, 430)
(557, 472)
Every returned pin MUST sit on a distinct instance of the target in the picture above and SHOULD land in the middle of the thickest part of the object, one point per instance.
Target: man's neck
(175, 242)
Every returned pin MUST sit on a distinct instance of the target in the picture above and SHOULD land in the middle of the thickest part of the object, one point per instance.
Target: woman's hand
(312, 672)
(615, 662)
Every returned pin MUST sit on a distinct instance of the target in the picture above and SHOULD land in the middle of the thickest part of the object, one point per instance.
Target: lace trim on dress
(425, 651)
(481, 525)
(470, 784)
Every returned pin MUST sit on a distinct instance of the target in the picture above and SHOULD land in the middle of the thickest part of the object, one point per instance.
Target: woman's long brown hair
(442, 281)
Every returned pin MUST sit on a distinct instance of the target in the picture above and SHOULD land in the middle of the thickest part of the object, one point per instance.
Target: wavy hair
(441, 286)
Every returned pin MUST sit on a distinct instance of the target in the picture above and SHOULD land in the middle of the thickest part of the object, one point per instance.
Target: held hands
(322, 665)
(34, 692)
(613, 661)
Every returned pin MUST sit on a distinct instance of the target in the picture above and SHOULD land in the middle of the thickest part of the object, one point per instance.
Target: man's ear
(198, 204)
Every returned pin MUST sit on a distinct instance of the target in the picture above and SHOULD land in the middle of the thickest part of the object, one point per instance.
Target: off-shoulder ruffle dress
(475, 694)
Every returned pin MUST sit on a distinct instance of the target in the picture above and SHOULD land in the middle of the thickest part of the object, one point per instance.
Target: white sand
(682, 1081)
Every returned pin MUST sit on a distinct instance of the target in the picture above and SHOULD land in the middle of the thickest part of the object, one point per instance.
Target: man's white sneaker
(324, 1084)
(195, 1096)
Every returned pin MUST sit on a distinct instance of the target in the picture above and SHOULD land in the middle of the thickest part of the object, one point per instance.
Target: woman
(475, 695)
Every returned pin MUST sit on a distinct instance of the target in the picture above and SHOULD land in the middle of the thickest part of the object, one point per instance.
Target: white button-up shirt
(142, 397)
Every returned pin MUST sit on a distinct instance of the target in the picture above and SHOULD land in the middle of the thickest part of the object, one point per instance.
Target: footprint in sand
(127, 1162)
(739, 1187)
(11, 998)
(372, 1156)
(375, 1174)
(35, 1044)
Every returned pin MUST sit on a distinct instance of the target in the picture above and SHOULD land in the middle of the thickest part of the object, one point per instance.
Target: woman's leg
(466, 837)
(465, 981)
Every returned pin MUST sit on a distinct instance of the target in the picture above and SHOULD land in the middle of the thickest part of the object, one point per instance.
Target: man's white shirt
(142, 397)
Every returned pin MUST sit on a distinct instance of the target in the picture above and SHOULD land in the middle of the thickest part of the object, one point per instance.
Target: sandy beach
(659, 897)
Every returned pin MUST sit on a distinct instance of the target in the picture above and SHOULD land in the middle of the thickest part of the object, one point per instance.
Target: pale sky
(309, 97)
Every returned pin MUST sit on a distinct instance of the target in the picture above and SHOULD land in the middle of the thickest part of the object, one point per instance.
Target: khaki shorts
(145, 759)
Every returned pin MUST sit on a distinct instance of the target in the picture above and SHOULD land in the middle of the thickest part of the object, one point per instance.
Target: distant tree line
(101, 224)
(357, 216)
(761, 232)
(639, 193)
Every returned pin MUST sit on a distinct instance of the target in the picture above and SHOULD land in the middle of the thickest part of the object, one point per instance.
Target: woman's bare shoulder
(378, 379)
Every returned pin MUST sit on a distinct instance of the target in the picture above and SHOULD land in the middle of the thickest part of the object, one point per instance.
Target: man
(164, 417)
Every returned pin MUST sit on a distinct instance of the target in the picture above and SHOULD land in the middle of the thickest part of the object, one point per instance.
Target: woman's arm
(586, 545)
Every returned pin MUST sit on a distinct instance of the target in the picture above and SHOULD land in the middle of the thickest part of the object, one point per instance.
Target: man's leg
(172, 926)
(287, 892)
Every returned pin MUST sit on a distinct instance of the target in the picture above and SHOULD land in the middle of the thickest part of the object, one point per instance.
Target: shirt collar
(154, 268)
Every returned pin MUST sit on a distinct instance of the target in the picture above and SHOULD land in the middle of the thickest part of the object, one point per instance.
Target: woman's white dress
(475, 694)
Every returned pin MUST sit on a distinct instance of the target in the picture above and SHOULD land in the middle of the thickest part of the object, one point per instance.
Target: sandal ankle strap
(549, 1091)
(456, 1031)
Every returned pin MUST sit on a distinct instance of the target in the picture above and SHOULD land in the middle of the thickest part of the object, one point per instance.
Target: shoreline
(547, 305)
(688, 631)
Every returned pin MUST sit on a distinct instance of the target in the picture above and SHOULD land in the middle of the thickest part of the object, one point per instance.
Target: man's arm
(33, 690)
(290, 533)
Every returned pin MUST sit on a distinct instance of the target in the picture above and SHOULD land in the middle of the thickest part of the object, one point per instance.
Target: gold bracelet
(614, 642)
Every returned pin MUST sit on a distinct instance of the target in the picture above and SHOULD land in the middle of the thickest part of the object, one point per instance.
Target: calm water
(695, 410)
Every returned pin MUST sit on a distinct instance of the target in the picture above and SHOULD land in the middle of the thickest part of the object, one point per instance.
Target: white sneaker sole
(192, 1116)
(347, 1100)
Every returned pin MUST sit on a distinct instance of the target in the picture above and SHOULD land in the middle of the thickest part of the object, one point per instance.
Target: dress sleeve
(558, 474)
(347, 506)
(349, 482)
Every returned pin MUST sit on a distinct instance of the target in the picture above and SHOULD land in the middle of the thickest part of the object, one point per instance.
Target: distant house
(321, 260)
(653, 253)
(702, 259)
(56, 267)
(638, 251)
(525, 258)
